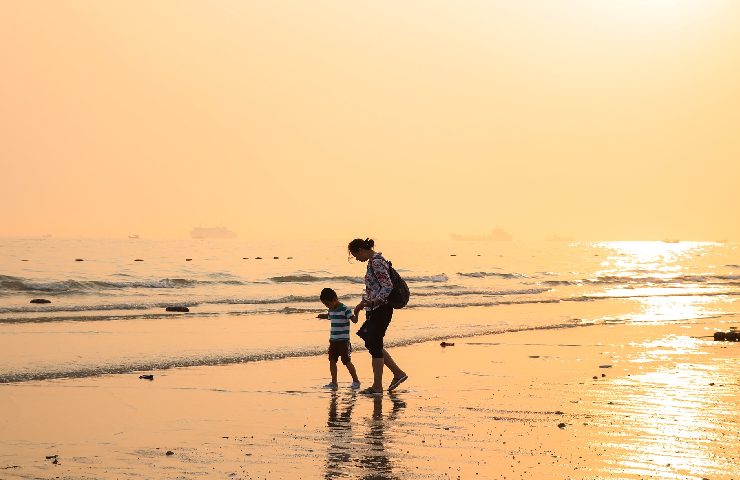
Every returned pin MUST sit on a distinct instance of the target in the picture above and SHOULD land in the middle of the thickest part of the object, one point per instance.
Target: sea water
(252, 301)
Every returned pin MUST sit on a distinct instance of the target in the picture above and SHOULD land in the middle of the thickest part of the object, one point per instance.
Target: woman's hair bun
(358, 243)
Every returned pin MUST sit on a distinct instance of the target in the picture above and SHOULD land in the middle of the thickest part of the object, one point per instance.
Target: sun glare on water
(660, 276)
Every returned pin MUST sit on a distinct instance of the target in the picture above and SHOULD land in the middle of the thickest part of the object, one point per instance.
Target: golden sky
(592, 119)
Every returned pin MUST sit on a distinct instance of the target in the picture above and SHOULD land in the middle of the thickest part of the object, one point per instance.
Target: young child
(339, 346)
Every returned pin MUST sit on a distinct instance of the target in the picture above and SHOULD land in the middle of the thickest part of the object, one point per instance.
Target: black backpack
(400, 293)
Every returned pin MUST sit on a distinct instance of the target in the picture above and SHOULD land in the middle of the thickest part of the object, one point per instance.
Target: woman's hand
(359, 307)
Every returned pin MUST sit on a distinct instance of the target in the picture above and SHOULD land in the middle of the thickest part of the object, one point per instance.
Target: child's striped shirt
(340, 322)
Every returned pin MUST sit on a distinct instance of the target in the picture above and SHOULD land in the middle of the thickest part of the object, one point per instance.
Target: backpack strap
(390, 277)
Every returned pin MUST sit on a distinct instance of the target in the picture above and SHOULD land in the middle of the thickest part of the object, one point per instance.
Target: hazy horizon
(422, 120)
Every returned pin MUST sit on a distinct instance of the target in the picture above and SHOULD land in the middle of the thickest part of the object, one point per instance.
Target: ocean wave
(679, 279)
(146, 306)
(596, 297)
(460, 293)
(492, 274)
(18, 285)
(52, 308)
(308, 278)
(158, 364)
(562, 282)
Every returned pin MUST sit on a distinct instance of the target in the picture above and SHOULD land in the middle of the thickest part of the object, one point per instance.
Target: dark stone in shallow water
(138, 260)
(40, 300)
(177, 309)
(732, 336)
(188, 259)
(718, 336)
(79, 260)
(146, 377)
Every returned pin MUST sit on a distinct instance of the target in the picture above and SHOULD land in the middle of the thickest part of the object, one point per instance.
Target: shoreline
(489, 407)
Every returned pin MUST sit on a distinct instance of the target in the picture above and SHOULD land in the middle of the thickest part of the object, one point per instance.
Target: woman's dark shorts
(373, 330)
(339, 348)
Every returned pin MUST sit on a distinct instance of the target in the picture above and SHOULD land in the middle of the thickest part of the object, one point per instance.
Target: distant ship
(212, 232)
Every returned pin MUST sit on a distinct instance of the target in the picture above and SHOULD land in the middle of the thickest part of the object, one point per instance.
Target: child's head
(329, 298)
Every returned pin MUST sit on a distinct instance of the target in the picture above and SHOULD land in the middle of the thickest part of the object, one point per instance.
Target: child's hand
(353, 318)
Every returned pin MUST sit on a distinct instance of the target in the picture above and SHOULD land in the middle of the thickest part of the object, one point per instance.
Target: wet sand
(603, 401)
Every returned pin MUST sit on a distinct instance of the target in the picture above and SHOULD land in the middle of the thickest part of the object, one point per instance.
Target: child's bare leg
(352, 371)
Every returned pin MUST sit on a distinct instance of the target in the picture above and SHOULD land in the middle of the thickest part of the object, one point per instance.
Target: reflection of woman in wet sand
(368, 453)
(375, 461)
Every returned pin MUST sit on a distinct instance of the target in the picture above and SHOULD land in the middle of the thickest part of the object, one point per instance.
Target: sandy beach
(600, 401)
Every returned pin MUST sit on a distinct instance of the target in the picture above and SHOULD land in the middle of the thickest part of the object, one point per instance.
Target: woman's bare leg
(391, 364)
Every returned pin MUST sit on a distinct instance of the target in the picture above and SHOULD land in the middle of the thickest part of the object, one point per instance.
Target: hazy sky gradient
(613, 119)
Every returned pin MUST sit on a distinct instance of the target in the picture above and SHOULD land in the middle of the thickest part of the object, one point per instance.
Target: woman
(378, 286)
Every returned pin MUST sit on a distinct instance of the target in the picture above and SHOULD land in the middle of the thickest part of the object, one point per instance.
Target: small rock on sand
(177, 309)
(40, 300)
(146, 377)
(169, 453)
(561, 425)
(79, 260)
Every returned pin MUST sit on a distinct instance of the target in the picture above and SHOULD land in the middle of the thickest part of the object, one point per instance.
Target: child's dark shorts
(339, 349)
(373, 330)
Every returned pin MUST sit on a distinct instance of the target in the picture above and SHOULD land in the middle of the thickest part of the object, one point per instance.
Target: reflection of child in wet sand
(339, 346)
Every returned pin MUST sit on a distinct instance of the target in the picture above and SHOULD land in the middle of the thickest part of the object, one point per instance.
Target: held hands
(364, 303)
